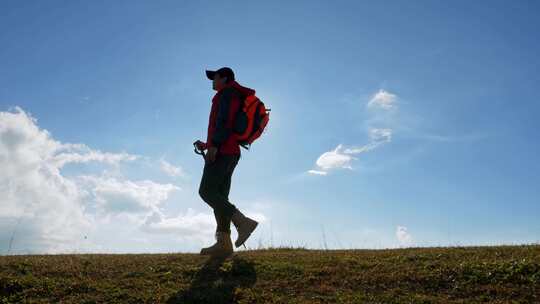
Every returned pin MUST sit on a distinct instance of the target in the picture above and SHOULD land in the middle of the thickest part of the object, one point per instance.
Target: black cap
(223, 72)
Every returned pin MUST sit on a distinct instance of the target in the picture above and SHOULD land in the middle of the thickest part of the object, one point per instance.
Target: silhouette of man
(223, 154)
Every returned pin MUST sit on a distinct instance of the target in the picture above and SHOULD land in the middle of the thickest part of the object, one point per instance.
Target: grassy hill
(502, 274)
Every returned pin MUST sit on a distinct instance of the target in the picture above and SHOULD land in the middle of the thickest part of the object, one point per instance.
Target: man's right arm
(226, 109)
(211, 126)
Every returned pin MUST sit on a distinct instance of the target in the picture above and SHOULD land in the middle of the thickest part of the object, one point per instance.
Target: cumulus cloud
(116, 196)
(80, 153)
(191, 225)
(41, 209)
(382, 99)
(170, 169)
(403, 236)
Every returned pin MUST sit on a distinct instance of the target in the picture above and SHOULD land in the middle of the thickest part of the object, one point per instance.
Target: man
(221, 159)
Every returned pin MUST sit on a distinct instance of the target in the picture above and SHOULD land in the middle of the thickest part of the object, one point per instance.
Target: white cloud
(383, 99)
(191, 225)
(361, 149)
(46, 211)
(380, 135)
(403, 236)
(332, 160)
(23, 141)
(342, 159)
(317, 172)
(339, 158)
(258, 216)
(116, 196)
(46, 205)
(73, 155)
(377, 137)
(171, 170)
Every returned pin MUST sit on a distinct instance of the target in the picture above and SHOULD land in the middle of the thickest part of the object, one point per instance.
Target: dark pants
(215, 186)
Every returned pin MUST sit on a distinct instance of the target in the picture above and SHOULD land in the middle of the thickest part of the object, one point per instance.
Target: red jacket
(225, 105)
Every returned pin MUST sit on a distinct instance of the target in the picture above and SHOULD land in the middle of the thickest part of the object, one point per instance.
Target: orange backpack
(250, 121)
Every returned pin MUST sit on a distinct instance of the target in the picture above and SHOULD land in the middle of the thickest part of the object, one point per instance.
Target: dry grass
(498, 274)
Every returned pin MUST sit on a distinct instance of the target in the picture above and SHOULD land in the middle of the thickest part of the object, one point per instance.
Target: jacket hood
(244, 91)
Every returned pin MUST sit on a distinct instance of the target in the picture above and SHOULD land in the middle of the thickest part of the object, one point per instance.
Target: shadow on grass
(217, 281)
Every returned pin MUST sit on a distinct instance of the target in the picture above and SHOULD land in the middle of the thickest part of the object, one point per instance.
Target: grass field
(501, 274)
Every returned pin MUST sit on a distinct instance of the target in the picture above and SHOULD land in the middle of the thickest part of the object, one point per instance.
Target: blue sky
(416, 120)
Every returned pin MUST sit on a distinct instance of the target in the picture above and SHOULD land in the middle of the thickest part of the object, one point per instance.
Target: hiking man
(220, 161)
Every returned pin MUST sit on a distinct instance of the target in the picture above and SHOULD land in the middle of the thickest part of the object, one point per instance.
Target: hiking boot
(244, 225)
(223, 246)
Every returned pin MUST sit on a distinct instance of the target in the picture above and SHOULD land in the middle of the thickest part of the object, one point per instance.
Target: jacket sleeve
(210, 132)
(227, 108)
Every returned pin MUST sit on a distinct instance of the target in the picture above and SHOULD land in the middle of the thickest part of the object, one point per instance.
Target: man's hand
(201, 146)
(211, 154)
